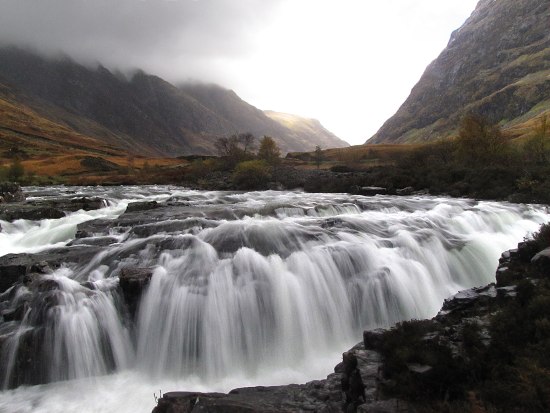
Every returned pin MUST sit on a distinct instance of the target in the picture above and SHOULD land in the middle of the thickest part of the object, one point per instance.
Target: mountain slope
(143, 115)
(303, 128)
(25, 133)
(496, 65)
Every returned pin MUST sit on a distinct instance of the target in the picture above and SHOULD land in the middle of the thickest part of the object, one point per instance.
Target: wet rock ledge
(467, 358)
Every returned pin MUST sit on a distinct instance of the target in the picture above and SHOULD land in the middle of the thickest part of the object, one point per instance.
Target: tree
(536, 148)
(247, 141)
(16, 170)
(480, 142)
(269, 150)
(318, 156)
(236, 148)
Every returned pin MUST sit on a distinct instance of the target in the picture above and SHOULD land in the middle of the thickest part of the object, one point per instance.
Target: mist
(348, 63)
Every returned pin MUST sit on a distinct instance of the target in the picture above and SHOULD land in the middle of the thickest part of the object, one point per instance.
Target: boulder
(141, 206)
(542, 259)
(372, 339)
(409, 190)
(84, 203)
(466, 302)
(16, 267)
(373, 190)
(11, 192)
(30, 212)
(133, 281)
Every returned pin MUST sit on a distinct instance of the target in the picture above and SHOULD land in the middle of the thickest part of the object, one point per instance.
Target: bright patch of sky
(348, 63)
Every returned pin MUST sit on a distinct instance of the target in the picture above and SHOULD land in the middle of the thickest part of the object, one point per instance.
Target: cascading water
(254, 288)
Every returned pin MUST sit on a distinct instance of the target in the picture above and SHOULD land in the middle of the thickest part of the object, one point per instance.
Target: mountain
(24, 131)
(143, 114)
(303, 128)
(496, 65)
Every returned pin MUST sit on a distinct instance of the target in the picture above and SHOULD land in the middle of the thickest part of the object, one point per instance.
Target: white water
(271, 293)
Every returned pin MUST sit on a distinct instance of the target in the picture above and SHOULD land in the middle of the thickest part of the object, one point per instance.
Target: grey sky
(349, 63)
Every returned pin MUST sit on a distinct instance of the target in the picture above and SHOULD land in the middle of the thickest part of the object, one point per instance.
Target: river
(254, 288)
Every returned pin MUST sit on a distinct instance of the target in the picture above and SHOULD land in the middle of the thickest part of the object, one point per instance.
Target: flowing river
(255, 288)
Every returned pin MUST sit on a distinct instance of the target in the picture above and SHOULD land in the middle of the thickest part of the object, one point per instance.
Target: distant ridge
(143, 114)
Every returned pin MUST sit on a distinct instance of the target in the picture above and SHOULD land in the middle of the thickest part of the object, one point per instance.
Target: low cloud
(175, 38)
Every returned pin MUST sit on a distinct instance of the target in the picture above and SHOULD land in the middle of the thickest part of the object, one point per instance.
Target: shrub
(341, 168)
(252, 175)
(15, 171)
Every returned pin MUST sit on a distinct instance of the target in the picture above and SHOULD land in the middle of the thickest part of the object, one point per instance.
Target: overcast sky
(348, 63)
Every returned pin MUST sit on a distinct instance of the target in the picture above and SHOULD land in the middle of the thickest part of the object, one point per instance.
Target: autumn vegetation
(481, 161)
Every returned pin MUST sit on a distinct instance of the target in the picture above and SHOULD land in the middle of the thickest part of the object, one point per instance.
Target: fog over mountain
(178, 38)
(333, 60)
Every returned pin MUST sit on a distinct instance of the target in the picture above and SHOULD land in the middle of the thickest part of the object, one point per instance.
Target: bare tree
(247, 141)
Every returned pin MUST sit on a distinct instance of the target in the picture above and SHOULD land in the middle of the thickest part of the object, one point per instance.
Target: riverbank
(485, 351)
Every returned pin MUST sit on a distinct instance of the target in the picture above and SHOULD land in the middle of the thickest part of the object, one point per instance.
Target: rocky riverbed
(94, 297)
(364, 380)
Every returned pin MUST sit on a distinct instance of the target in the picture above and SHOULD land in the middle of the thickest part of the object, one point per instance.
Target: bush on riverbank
(252, 175)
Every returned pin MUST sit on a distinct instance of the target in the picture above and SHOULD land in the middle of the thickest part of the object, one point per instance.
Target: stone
(373, 190)
(409, 190)
(133, 281)
(542, 259)
(141, 206)
(30, 212)
(11, 192)
(372, 339)
(15, 267)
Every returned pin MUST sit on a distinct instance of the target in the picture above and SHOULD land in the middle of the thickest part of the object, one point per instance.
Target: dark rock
(133, 281)
(11, 192)
(419, 368)
(94, 241)
(372, 190)
(90, 228)
(351, 389)
(84, 203)
(141, 206)
(49, 209)
(527, 250)
(14, 267)
(372, 339)
(467, 301)
(15, 314)
(30, 212)
(542, 260)
(409, 190)
(11, 272)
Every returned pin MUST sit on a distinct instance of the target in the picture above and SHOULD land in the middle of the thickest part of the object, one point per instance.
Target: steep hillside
(25, 133)
(303, 128)
(496, 65)
(142, 115)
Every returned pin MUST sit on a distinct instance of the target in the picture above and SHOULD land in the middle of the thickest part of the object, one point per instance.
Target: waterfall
(244, 284)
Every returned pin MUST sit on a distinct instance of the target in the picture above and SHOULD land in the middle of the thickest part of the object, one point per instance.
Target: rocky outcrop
(14, 267)
(48, 209)
(352, 384)
(496, 65)
(11, 192)
(414, 365)
(133, 282)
